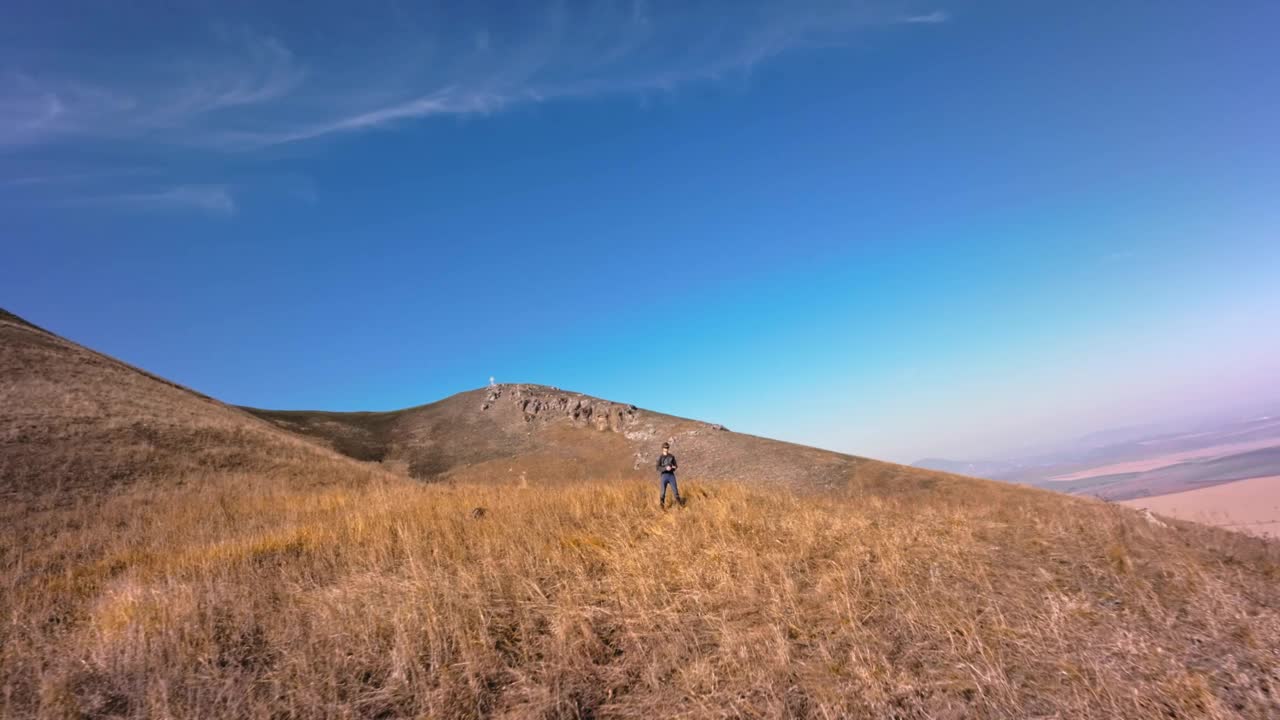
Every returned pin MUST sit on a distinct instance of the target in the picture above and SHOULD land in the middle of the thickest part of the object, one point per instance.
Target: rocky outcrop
(540, 404)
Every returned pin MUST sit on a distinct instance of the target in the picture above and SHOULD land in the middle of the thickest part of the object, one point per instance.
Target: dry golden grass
(73, 421)
(164, 555)
(278, 595)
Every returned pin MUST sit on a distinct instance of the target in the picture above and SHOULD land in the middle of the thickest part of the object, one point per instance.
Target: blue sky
(897, 229)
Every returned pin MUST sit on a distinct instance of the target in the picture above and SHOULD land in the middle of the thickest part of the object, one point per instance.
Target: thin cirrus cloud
(226, 85)
(80, 178)
(242, 90)
(143, 98)
(209, 199)
(574, 54)
(933, 18)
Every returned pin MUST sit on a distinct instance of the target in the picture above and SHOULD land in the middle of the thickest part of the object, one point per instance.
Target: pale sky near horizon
(897, 229)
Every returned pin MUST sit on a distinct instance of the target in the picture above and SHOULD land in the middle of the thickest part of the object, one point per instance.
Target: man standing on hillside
(667, 470)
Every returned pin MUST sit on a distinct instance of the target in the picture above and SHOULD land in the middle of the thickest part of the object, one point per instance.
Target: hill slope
(545, 434)
(205, 563)
(74, 419)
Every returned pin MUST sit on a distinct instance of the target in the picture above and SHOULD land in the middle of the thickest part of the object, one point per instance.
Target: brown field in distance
(1250, 506)
(1165, 460)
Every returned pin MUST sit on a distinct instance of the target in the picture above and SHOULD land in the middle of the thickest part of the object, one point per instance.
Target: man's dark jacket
(666, 463)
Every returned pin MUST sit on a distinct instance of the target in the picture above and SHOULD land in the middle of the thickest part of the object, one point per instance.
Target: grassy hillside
(165, 555)
(73, 420)
(546, 436)
(255, 596)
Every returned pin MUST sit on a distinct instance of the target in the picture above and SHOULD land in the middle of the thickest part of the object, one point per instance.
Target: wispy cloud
(204, 90)
(74, 178)
(933, 18)
(211, 199)
(145, 98)
(239, 89)
(448, 101)
(1118, 256)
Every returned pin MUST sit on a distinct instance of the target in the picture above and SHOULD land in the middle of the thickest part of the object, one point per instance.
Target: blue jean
(668, 479)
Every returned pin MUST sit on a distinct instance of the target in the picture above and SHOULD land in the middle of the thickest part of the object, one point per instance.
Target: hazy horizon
(894, 229)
